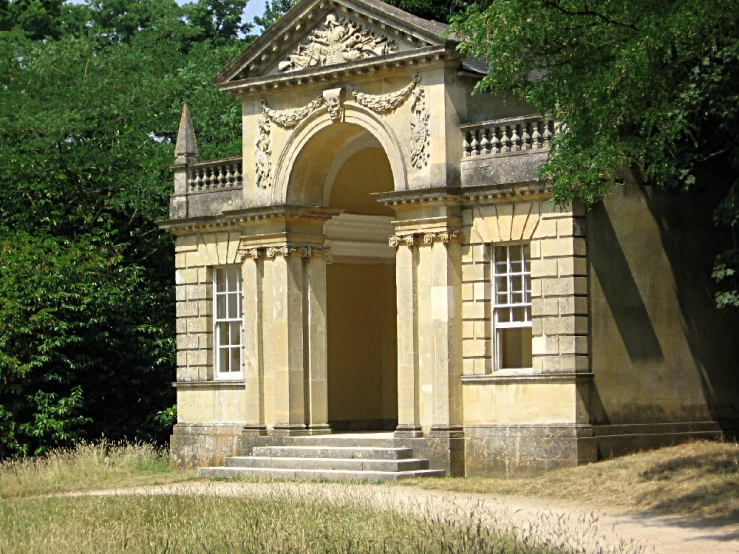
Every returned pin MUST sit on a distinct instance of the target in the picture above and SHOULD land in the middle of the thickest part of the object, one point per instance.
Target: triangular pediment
(315, 34)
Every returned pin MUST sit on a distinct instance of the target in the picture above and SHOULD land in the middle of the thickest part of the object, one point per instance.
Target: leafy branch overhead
(645, 90)
(88, 116)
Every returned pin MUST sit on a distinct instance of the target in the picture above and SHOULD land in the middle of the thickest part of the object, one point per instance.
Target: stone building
(383, 258)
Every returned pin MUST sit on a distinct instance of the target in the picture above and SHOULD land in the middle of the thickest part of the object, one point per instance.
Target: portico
(399, 266)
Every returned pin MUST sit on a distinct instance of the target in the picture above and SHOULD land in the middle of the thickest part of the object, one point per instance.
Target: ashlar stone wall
(559, 313)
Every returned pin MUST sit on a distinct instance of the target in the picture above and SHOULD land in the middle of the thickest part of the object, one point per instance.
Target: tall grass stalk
(87, 466)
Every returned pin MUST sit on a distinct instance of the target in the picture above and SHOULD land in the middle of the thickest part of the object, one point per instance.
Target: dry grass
(300, 523)
(33, 519)
(698, 478)
(88, 467)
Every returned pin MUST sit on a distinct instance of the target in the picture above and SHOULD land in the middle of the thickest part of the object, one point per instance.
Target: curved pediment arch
(321, 134)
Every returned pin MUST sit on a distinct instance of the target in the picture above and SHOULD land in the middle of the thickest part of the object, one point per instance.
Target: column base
(446, 432)
(254, 430)
(319, 429)
(289, 430)
(408, 431)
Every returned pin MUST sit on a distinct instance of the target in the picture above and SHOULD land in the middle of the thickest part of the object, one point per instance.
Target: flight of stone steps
(329, 459)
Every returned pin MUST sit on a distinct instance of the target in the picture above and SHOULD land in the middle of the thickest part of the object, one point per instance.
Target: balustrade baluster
(475, 144)
(495, 141)
(484, 141)
(505, 139)
(515, 139)
(536, 135)
(466, 146)
(547, 134)
(525, 136)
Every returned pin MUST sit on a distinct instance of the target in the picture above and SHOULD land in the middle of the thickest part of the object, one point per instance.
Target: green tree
(427, 9)
(648, 86)
(87, 123)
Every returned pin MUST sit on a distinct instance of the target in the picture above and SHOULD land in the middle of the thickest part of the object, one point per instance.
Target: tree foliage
(649, 86)
(88, 116)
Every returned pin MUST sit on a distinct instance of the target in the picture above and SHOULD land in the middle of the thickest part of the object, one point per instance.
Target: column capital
(444, 237)
(402, 240)
(248, 253)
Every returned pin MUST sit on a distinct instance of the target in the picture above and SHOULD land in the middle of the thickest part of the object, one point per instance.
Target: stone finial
(186, 149)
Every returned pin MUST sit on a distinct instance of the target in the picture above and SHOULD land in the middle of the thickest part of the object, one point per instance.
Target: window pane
(220, 280)
(235, 338)
(233, 308)
(220, 306)
(232, 279)
(221, 334)
(515, 347)
(503, 315)
(519, 314)
(517, 284)
(501, 255)
(501, 284)
(235, 360)
(223, 359)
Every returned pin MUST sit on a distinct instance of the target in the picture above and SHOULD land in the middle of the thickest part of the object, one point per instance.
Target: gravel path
(600, 530)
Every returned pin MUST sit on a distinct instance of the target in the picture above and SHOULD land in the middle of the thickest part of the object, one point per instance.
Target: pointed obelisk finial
(186, 149)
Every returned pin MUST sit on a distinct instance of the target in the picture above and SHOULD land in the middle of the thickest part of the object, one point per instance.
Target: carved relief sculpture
(420, 136)
(337, 41)
(333, 103)
(263, 152)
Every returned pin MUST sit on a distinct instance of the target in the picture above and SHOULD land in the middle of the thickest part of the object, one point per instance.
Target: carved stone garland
(378, 103)
(338, 40)
(386, 103)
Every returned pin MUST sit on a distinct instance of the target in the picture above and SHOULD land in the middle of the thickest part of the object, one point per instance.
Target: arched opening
(341, 167)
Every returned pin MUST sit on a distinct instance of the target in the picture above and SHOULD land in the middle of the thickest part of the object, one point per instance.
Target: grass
(88, 467)
(700, 479)
(210, 524)
(34, 519)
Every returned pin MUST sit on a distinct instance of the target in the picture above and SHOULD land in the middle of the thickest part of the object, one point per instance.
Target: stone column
(446, 332)
(252, 343)
(288, 344)
(408, 392)
(315, 260)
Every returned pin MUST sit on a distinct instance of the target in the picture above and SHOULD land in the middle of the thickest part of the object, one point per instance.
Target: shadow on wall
(691, 242)
(656, 336)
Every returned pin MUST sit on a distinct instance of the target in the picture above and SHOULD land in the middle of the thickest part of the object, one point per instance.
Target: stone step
(349, 464)
(314, 474)
(360, 440)
(345, 452)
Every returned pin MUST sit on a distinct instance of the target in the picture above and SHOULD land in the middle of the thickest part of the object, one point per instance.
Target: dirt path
(598, 530)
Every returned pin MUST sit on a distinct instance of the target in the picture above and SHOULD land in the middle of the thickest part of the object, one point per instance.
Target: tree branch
(587, 12)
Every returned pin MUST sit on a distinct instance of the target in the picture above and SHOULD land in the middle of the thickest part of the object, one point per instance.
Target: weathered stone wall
(195, 256)
(661, 352)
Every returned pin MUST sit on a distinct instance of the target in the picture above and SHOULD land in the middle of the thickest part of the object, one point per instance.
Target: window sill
(213, 384)
(524, 376)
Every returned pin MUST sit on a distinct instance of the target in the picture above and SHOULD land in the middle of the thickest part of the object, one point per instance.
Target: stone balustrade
(214, 175)
(502, 137)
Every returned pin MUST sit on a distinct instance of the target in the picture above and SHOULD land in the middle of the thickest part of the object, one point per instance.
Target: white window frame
(224, 319)
(509, 304)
